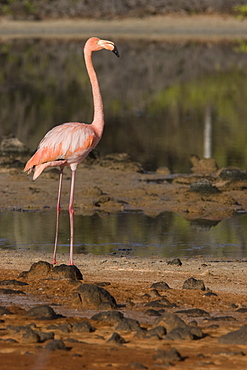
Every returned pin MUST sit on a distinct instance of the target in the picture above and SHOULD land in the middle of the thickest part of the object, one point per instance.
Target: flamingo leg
(54, 261)
(71, 217)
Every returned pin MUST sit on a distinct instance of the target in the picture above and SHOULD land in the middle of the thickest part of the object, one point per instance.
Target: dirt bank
(145, 341)
(169, 27)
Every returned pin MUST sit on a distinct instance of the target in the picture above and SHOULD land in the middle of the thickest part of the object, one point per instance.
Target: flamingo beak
(115, 51)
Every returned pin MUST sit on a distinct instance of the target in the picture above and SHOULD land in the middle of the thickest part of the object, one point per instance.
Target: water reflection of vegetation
(167, 235)
(157, 91)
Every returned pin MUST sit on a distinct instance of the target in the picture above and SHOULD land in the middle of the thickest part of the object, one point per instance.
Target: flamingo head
(95, 44)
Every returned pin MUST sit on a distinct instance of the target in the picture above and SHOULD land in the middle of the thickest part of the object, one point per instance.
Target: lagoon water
(130, 234)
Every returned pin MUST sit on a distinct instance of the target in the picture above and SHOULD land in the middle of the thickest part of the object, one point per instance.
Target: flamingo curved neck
(98, 118)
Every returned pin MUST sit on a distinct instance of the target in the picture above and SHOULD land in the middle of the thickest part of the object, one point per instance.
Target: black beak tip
(115, 51)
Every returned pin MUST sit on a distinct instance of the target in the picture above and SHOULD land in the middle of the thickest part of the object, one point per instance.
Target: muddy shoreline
(213, 28)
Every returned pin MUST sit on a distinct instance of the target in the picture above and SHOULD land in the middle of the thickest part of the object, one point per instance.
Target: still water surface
(167, 235)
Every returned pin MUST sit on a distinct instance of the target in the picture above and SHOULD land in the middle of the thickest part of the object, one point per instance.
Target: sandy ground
(198, 27)
(113, 185)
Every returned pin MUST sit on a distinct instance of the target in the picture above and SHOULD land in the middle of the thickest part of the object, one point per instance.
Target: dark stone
(237, 337)
(94, 297)
(167, 357)
(160, 303)
(179, 334)
(112, 317)
(192, 283)
(45, 270)
(55, 344)
(13, 282)
(170, 321)
(128, 325)
(210, 294)
(233, 174)
(136, 365)
(20, 328)
(66, 272)
(38, 270)
(178, 328)
(45, 336)
(11, 291)
(242, 310)
(30, 336)
(83, 327)
(43, 312)
(117, 339)
(65, 328)
(4, 311)
(152, 312)
(204, 187)
(175, 262)
(223, 318)
(160, 285)
(158, 332)
(194, 312)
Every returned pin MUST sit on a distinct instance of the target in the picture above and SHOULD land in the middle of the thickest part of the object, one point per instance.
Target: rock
(4, 311)
(192, 283)
(66, 272)
(38, 270)
(93, 297)
(55, 344)
(160, 285)
(45, 336)
(210, 294)
(83, 327)
(237, 337)
(116, 338)
(158, 332)
(65, 328)
(13, 282)
(179, 334)
(45, 270)
(128, 325)
(30, 336)
(223, 318)
(204, 187)
(194, 312)
(177, 329)
(170, 321)
(43, 312)
(233, 174)
(137, 365)
(152, 312)
(160, 303)
(112, 317)
(175, 262)
(11, 291)
(12, 145)
(168, 357)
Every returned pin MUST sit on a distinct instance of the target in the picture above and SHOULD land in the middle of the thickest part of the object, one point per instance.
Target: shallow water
(131, 233)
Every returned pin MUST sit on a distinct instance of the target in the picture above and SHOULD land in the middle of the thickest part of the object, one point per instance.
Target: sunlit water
(131, 233)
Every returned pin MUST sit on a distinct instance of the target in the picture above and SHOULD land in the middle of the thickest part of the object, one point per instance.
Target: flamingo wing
(67, 144)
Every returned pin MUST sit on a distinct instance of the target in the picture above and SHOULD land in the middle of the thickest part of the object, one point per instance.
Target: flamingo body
(64, 145)
(69, 143)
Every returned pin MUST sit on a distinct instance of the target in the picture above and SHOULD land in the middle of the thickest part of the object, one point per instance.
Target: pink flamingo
(68, 144)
